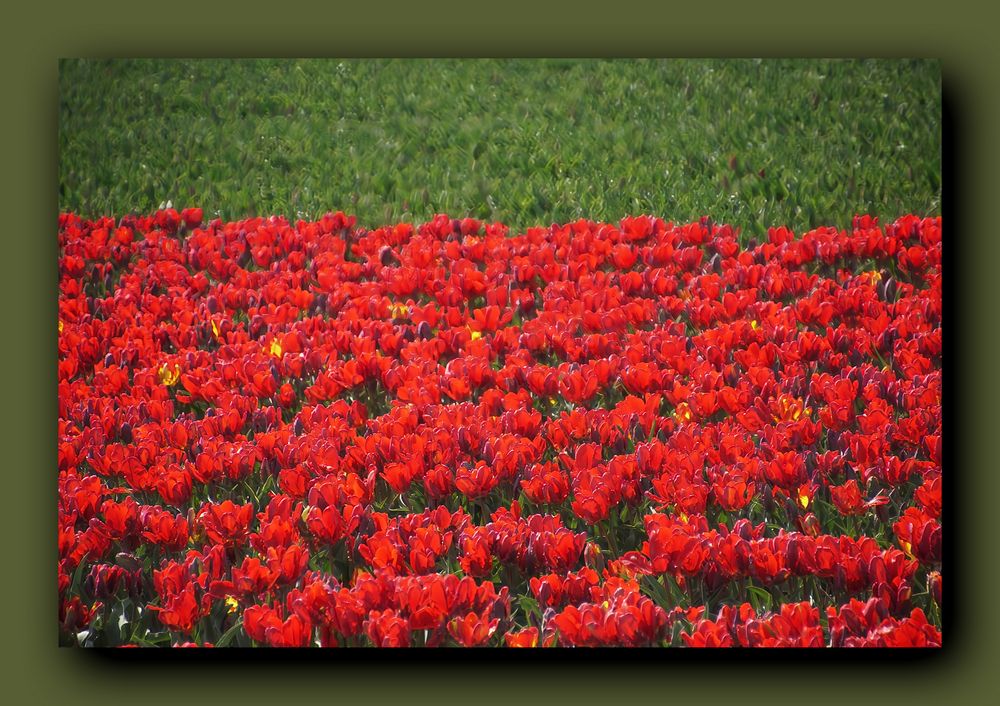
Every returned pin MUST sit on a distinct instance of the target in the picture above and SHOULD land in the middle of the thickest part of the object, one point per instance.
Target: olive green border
(39, 33)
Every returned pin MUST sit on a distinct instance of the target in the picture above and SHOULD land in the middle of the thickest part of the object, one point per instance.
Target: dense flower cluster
(297, 434)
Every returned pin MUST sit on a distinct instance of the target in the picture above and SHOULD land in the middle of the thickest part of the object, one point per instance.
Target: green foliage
(755, 143)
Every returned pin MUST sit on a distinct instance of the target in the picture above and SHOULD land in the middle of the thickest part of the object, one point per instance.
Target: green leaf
(74, 586)
(157, 641)
(759, 598)
(228, 636)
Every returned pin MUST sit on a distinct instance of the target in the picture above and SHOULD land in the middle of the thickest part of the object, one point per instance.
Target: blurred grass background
(755, 143)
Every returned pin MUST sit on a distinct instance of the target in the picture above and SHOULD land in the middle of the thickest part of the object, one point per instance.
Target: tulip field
(499, 353)
(306, 432)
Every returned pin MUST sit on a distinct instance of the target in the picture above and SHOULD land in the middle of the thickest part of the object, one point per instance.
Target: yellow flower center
(399, 311)
(475, 335)
(169, 376)
(60, 325)
(754, 325)
(275, 348)
(790, 410)
(804, 500)
(215, 329)
(231, 604)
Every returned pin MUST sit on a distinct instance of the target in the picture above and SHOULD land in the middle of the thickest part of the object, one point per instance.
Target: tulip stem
(604, 529)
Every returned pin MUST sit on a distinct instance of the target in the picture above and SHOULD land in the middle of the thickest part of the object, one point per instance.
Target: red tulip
(472, 630)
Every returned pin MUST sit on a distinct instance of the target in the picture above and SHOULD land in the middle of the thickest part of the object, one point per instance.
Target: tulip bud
(743, 529)
(366, 526)
(72, 618)
(890, 289)
(257, 326)
(105, 581)
(882, 513)
(809, 524)
(386, 256)
(593, 557)
(934, 586)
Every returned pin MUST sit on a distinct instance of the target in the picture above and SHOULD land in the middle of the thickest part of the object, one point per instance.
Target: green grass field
(753, 143)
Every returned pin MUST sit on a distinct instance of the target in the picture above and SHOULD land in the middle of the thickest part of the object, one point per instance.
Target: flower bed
(632, 434)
